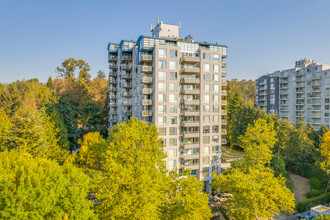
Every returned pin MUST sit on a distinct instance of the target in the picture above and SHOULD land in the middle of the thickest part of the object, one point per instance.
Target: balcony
(112, 81)
(127, 85)
(190, 145)
(224, 102)
(190, 123)
(190, 80)
(146, 58)
(112, 97)
(113, 88)
(223, 122)
(223, 131)
(127, 112)
(127, 76)
(224, 92)
(125, 102)
(147, 69)
(127, 94)
(223, 141)
(190, 113)
(190, 91)
(113, 103)
(223, 112)
(146, 80)
(113, 57)
(147, 113)
(190, 69)
(113, 65)
(188, 134)
(126, 58)
(127, 66)
(147, 102)
(223, 64)
(190, 59)
(224, 74)
(147, 91)
(224, 83)
(190, 102)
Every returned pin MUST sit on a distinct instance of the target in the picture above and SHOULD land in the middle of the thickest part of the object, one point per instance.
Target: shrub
(316, 183)
(306, 204)
(315, 192)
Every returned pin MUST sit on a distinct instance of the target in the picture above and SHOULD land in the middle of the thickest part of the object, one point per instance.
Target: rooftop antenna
(151, 27)
(180, 25)
(216, 43)
(157, 20)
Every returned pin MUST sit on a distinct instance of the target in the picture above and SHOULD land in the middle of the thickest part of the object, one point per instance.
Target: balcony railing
(146, 57)
(190, 80)
(147, 91)
(190, 59)
(147, 102)
(224, 102)
(190, 91)
(185, 69)
(147, 80)
(147, 113)
(224, 92)
(224, 112)
(190, 102)
(146, 68)
(127, 85)
(224, 74)
(224, 83)
(128, 66)
(223, 64)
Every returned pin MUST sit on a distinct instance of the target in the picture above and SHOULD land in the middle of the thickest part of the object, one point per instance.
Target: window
(162, 75)
(173, 109)
(162, 64)
(206, 56)
(173, 141)
(161, 97)
(162, 120)
(206, 129)
(171, 164)
(173, 131)
(215, 139)
(173, 87)
(206, 140)
(162, 131)
(206, 118)
(173, 120)
(215, 57)
(215, 68)
(215, 88)
(215, 149)
(216, 118)
(206, 77)
(216, 108)
(206, 87)
(171, 153)
(206, 67)
(173, 97)
(216, 98)
(216, 78)
(173, 76)
(162, 53)
(206, 160)
(162, 87)
(215, 129)
(206, 108)
(206, 150)
(173, 53)
(206, 98)
(173, 65)
(161, 109)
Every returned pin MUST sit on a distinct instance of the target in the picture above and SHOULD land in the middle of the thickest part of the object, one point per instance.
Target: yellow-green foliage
(36, 188)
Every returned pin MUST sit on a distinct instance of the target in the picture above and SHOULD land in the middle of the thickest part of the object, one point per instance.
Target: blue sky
(262, 35)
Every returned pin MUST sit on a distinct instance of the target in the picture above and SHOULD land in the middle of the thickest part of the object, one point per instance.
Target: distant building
(176, 85)
(300, 91)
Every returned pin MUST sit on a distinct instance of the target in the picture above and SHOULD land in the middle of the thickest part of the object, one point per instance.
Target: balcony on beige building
(224, 74)
(224, 102)
(190, 59)
(224, 92)
(224, 83)
(146, 102)
(223, 64)
(147, 69)
(147, 80)
(190, 102)
(186, 69)
(190, 91)
(223, 112)
(147, 91)
(190, 80)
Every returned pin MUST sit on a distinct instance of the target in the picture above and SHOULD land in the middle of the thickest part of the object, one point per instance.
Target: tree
(49, 82)
(188, 38)
(256, 194)
(325, 156)
(4, 127)
(323, 129)
(184, 200)
(36, 188)
(133, 173)
(68, 70)
(312, 134)
(100, 74)
(257, 143)
(299, 151)
(322, 217)
(10, 99)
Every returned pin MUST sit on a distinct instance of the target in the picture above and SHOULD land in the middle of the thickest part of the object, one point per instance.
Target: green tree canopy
(36, 188)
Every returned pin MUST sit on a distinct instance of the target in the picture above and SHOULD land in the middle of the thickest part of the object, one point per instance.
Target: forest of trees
(119, 173)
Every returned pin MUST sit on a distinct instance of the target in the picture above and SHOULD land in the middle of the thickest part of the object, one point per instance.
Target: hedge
(308, 203)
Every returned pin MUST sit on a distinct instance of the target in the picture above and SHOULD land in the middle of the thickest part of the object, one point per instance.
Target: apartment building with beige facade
(178, 86)
(302, 91)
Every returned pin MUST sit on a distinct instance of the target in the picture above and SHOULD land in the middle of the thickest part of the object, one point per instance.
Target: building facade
(176, 85)
(304, 91)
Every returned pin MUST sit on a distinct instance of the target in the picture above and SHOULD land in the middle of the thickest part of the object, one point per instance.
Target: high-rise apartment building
(303, 91)
(176, 85)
